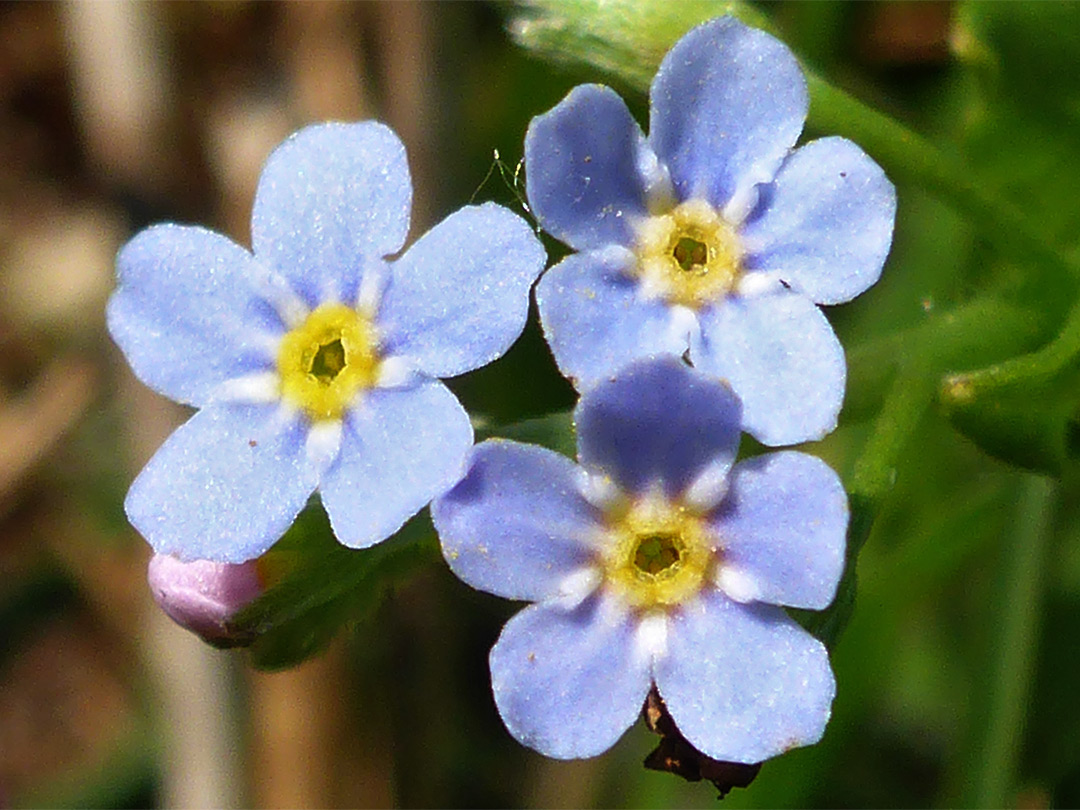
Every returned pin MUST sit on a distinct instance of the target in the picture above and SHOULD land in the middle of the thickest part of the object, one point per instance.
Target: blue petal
(784, 525)
(826, 222)
(459, 297)
(516, 526)
(400, 448)
(184, 312)
(224, 487)
(582, 169)
(744, 683)
(596, 322)
(657, 421)
(782, 358)
(728, 102)
(332, 199)
(568, 684)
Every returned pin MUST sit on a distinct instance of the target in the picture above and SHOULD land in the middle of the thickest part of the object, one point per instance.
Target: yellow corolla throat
(656, 553)
(690, 255)
(327, 361)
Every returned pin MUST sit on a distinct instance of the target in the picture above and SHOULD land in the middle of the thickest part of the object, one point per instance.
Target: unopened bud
(203, 596)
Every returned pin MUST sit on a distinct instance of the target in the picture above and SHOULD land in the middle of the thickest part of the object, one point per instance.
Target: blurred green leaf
(1009, 666)
(1053, 746)
(1030, 49)
(1019, 128)
(944, 339)
(321, 585)
(554, 431)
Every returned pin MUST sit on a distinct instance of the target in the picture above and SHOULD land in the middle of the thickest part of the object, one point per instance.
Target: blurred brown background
(114, 115)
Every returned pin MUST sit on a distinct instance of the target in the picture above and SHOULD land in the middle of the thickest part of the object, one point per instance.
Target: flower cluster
(688, 313)
(655, 563)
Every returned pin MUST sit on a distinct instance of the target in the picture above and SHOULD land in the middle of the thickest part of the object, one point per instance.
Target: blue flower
(314, 361)
(710, 238)
(656, 561)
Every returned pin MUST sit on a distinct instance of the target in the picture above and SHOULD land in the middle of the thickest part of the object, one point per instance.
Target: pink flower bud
(203, 596)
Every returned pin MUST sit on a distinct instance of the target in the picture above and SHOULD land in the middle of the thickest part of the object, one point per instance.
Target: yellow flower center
(656, 553)
(690, 254)
(327, 361)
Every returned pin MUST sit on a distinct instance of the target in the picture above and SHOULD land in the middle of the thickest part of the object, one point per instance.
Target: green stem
(994, 757)
(1038, 366)
(908, 399)
(875, 470)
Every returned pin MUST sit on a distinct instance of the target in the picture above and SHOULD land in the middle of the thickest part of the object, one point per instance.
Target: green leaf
(320, 586)
(554, 431)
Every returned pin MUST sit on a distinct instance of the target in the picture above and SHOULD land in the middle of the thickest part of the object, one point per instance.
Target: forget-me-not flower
(653, 561)
(314, 359)
(709, 238)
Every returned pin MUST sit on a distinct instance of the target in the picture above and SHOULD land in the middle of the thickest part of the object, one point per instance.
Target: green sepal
(1035, 426)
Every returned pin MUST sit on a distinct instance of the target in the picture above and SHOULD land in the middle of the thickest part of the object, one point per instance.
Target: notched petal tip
(459, 297)
(825, 224)
(329, 196)
(588, 169)
(657, 419)
(727, 104)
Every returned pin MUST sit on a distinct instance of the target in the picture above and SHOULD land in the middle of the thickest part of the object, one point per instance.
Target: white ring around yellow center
(656, 553)
(327, 361)
(691, 254)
